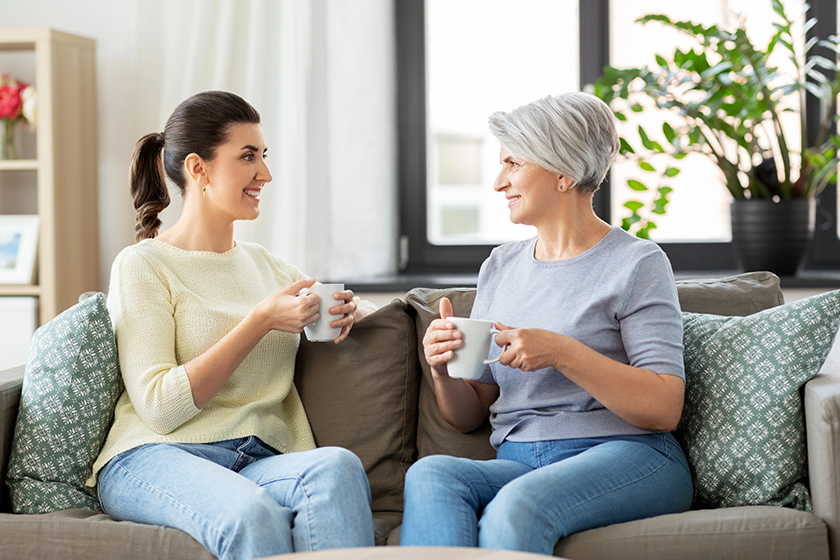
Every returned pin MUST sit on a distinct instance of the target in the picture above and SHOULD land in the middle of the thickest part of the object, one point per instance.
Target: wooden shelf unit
(65, 166)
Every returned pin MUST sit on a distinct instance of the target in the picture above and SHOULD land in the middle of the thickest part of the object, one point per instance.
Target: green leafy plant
(723, 99)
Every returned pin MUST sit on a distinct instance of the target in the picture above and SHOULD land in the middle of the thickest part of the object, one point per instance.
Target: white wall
(352, 145)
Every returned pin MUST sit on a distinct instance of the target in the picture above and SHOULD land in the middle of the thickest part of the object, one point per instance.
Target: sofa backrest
(373, 393)
(733, 296)
(361, 394)
(434, 434)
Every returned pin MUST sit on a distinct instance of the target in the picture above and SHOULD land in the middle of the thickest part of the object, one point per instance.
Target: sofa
(373, 394)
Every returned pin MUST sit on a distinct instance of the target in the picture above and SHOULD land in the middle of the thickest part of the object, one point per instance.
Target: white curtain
(320, 72)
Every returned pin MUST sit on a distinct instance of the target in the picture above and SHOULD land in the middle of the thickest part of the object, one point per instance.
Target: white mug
(470, 357)
(320, 330)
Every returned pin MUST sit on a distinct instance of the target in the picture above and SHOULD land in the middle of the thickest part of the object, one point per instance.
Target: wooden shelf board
(20, 290)
(18, 164)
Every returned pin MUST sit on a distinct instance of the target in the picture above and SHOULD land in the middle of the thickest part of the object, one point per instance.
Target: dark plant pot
(773, 236)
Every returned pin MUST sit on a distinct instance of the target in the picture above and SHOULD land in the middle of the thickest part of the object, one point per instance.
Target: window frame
(418, 256)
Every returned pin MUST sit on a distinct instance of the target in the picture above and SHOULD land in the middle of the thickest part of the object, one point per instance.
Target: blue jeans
(242, 500)
(535, 493)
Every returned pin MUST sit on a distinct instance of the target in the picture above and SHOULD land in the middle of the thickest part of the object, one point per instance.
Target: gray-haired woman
(590, 380)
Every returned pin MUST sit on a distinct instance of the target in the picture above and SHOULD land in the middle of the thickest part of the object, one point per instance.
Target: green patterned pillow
(743, 426)
(70, 388)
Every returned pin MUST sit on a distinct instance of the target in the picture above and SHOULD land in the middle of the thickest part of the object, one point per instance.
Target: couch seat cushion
(70, 387)
(86, 535)
(740, 533)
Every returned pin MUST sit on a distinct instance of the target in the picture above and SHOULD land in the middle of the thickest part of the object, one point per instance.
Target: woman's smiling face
(530, 189)
(238, 172)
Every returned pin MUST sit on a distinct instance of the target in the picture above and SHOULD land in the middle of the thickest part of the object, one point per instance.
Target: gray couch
(372, 394)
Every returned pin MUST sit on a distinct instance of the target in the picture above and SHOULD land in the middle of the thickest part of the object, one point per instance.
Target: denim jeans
(242, 500)
(535, 493)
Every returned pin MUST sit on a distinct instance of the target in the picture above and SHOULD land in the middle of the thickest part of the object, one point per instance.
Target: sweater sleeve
(651, 323)
(142, 312)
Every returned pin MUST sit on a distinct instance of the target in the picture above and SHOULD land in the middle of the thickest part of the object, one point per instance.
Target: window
(450, 218)
(470, 74)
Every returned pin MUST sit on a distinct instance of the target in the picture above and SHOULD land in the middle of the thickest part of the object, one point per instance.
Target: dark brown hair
(198, 125)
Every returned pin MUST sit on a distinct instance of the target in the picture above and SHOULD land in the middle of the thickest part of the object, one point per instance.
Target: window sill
(405, 282)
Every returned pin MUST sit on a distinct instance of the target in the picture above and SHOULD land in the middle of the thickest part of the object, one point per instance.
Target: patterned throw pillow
(70, 388)
(743, 424)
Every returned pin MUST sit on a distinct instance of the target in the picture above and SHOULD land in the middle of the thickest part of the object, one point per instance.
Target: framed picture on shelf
(18, 248)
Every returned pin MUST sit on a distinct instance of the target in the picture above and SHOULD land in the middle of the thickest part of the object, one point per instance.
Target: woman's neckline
(171, 247)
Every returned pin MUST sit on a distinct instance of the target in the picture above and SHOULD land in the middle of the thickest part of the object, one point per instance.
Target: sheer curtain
(320, 72)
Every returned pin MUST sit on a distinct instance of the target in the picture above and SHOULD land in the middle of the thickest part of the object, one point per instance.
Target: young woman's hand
(288, 310)
(351, 313)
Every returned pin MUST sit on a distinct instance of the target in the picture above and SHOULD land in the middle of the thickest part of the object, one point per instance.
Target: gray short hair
(572, 134)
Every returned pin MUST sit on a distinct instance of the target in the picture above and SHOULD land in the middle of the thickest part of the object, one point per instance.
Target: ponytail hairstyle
(198, 125)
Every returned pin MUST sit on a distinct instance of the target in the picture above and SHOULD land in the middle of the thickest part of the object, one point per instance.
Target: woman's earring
(204, 191)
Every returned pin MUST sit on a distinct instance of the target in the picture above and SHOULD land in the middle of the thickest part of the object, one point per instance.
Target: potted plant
(728, 102)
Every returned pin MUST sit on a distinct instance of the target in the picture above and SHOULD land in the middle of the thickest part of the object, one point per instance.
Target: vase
(8, 148)
(772, 236)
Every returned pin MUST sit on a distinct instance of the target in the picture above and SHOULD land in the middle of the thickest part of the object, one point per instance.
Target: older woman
(590, 381)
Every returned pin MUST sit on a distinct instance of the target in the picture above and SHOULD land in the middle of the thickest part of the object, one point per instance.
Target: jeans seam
(467, 525)
(175, 501)
(309, 520)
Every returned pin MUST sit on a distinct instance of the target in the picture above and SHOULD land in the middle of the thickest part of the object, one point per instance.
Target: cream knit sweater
(168, 306)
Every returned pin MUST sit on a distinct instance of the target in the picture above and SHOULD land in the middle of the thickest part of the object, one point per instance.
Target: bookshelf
(57, 177)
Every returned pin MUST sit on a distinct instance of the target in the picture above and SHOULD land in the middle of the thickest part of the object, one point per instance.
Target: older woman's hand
(528, 349)
(441, 340)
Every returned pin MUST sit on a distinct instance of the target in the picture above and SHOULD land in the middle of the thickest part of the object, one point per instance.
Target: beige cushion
(434, 434)
(740, 533)
(732, 296)
(77, 534)
(361, 394)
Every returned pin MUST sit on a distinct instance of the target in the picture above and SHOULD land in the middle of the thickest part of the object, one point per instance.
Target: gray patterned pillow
(70, 388)
(743, 426)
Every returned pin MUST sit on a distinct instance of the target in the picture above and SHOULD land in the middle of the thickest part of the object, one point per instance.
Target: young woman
(210, 436)
(590, 380)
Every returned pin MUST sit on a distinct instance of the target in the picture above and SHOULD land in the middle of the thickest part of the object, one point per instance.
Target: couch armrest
(11, 382)
(822, 421)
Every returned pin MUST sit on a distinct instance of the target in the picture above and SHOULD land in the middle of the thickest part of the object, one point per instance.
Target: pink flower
(11, 100)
